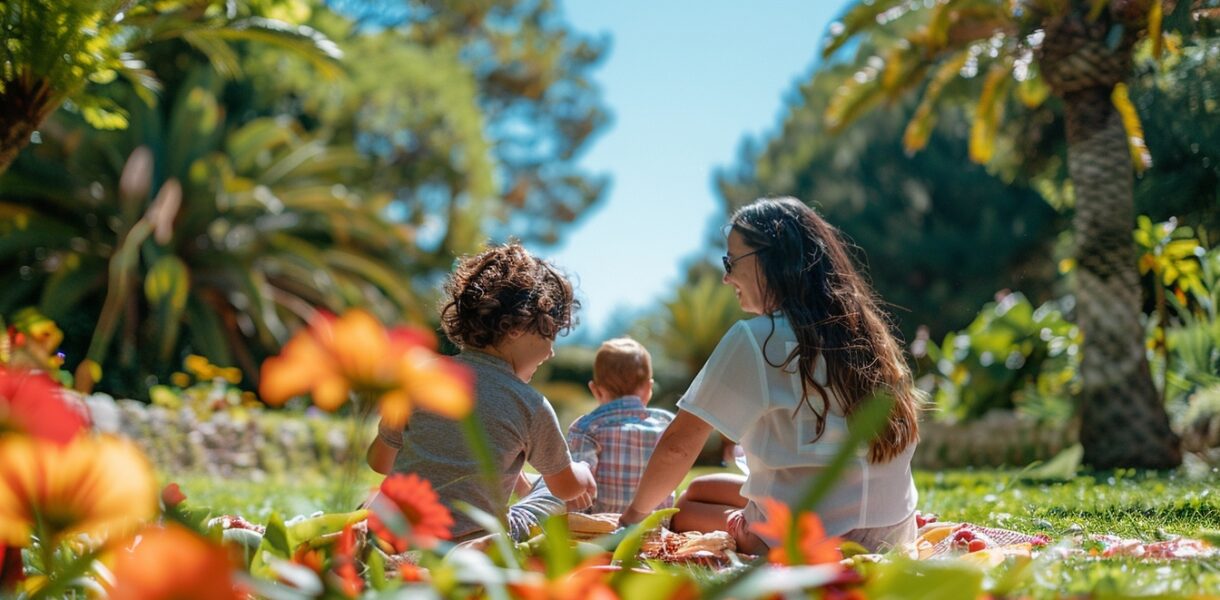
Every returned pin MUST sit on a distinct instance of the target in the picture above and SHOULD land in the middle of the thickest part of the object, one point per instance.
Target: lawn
(1128, 504)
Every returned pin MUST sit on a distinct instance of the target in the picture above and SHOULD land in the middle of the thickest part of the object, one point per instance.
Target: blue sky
(685, 81)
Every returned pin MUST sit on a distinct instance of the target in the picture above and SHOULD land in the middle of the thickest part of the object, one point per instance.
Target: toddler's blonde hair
(621, 366)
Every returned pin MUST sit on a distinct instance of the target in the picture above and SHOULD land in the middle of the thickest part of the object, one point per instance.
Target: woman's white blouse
(756, 405)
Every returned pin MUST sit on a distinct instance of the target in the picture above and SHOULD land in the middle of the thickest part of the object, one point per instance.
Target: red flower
(171, 496)
(814, 546)
(427, 520)
(32, 403)
(12, 571)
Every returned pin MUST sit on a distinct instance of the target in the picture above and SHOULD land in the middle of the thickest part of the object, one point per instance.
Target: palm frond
(920, 127)
(1141, 159)
(989, 111)
(303, 41)
(862, 17)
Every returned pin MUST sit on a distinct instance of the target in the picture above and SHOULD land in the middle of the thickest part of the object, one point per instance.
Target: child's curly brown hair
(505, 289)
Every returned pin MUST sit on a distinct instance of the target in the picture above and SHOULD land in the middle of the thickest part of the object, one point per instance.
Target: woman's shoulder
(764, 327)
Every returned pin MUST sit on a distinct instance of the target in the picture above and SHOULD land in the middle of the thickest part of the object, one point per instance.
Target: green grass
(1143, 506)
(1137, 505)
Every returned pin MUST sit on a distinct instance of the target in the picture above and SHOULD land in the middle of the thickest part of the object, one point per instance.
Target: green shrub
(1012, 356)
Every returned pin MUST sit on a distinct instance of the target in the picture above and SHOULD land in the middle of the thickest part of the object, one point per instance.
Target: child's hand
(588, 486)
(575, 485)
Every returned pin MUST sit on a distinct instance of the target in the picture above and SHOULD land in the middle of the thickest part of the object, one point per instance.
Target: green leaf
(768, 582)
(560, 555)
(166, 287)
(274, 545)
(376, 564)
(929, 579)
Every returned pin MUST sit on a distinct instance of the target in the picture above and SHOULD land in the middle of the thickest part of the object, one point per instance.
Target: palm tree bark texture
(1123, 423)
(25, 103)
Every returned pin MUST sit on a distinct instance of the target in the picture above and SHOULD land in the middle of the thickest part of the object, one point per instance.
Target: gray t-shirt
(521, 427)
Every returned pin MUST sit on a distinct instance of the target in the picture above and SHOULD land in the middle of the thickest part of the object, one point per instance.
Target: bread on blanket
(664, 544)
(583, 525)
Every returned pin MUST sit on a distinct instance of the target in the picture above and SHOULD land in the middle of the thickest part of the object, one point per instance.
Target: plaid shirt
(616, 440)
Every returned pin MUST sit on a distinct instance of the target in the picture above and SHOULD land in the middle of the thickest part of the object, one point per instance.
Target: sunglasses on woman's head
(728, 261)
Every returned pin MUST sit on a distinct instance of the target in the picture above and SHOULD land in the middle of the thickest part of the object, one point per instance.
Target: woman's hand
(630, 517)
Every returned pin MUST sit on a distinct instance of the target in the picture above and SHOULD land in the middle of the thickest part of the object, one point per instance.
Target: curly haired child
(503, 308)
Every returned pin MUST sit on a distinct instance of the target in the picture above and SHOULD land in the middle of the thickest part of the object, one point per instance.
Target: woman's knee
(721, 488)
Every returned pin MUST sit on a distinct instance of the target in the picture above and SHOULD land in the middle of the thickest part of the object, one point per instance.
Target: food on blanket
(585, 525)
(1169, 549)
(234, 522)
(992, 557)
(963, 538)
(932, 535)
(667, 545)
(921, 520)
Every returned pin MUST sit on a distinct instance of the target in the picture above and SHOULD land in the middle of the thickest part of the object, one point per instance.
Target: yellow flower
(180, 379)
(100, 486)
(198, 366)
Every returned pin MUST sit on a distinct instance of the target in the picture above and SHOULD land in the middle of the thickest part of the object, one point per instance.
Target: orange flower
(588, 580)
(32, 403)
(102, 486)
(344, 564)
(811, 541)
(426, 518)
(432, 382)
(334, 357)
(174, 562)
(411, 573)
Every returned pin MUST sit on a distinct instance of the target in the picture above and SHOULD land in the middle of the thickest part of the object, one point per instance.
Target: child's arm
(574, 484)
(672, 459)
(381, 456)
(384, 448)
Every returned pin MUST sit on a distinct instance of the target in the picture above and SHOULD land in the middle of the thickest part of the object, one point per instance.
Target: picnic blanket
(938, 539)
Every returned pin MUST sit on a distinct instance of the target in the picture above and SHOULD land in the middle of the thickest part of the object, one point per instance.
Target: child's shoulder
(660, 415)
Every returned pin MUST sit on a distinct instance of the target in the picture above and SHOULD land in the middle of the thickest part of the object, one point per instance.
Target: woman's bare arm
(672, 459)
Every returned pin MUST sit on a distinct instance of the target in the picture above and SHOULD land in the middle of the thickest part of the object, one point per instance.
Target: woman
(782, 386)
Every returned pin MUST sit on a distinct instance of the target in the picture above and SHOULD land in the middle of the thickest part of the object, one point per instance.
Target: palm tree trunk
(1123, 424)
(24, 104)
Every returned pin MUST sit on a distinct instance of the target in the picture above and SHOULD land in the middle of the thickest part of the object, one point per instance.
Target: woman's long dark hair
(808, 276)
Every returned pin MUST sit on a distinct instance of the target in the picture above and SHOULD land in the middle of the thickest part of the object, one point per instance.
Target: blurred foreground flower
(344, 564)
(426, 519)
(172, 562)
(811, 541)
(335, 357)
(588, 580)
(100, 486)
(32, 403)
(12, 570)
